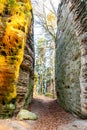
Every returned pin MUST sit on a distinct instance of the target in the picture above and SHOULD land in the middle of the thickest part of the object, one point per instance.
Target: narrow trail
(50, 114)
(50, 117)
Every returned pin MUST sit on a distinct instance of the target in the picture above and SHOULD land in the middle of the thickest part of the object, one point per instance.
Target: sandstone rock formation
(15, 37)
(71, 56)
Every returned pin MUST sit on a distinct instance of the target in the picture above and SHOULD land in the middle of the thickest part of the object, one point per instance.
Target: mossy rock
(26, 115)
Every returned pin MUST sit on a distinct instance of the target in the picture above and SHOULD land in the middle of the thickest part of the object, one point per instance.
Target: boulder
(26, 115)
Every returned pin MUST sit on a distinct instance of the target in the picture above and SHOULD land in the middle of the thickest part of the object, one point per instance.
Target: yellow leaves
(35, 78)
(35, 83)
(41, 41)
(51, 20)
(51, 17)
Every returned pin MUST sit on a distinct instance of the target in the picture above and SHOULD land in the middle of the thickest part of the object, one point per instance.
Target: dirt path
(50, 115)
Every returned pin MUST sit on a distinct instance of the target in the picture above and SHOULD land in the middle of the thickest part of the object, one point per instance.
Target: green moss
(29, 94)
(49, 95)
(6, 110)
(11, 3)
(15, 24)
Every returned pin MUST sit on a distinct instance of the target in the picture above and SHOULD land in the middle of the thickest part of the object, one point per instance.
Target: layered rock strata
(71, 56)
(15, 35)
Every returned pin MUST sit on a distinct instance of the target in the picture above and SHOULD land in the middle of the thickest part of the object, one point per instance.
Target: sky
(37, 29)
(55, 3)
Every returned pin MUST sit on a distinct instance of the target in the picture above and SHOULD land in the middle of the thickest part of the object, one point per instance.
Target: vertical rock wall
(15, 35)
(71, 56)
(26, 76)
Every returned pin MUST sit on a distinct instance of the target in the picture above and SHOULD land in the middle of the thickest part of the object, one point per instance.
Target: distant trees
(45, 34)
(46, 17)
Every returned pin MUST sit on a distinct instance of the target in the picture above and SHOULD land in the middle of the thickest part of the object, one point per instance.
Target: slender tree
(45, 22)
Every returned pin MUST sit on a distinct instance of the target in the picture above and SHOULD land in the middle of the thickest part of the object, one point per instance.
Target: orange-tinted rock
(15, 24)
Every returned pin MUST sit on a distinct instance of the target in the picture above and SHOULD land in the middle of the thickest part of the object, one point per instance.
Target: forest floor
(50, 117)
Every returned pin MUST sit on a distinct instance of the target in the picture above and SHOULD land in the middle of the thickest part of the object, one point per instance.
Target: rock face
(16, 55)
(71, 56)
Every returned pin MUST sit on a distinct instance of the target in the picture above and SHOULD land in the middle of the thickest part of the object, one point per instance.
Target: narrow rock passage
(50, 115)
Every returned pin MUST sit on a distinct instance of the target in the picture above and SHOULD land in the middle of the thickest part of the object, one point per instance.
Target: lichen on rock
(15, 21)
(26, 115)
(71, 56)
